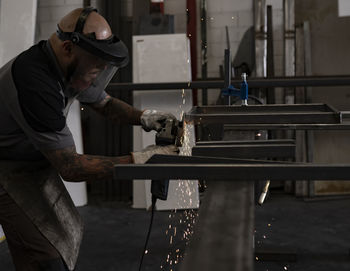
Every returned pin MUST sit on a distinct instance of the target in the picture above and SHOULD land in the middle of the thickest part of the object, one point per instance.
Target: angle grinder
(171, 134)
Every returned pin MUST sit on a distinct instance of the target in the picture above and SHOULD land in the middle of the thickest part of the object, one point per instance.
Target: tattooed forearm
(76, 167)
(119, 111)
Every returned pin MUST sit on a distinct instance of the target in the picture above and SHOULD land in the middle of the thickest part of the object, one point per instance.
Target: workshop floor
(318, 231)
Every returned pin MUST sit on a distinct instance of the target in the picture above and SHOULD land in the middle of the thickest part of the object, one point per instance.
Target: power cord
(154, 200)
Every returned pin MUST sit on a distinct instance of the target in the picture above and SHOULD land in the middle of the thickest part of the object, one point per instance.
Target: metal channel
(179, 159)
(247, 150)
(233, 172)
(304, 81)
(265, 118)
(343, 126)
(265, 114)
(223, 237)
(270, 108)
(246, 142)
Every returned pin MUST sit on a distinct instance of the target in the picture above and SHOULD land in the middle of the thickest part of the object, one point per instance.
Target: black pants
(30, 250)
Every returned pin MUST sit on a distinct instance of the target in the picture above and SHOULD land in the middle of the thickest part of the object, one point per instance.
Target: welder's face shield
(86, 69)
(93, 57)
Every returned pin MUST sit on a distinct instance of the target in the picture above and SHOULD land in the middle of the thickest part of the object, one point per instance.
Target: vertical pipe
(203, 8)
(227, 71)
(260, 44)
(309, 134)
(289, 65)
(289, 47)
(270, 58)
(192, 35)
(260, 38)
(301, 187)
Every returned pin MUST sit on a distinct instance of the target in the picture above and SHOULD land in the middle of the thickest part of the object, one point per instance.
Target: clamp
(230, 90)
(242, 93)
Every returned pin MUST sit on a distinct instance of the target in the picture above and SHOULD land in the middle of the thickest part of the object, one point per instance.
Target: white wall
(16, 33)
(343, 8)
(17, 27)
(50, 12)
(238, 15)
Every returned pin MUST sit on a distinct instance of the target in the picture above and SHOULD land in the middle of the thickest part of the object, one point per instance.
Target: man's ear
(67, 47)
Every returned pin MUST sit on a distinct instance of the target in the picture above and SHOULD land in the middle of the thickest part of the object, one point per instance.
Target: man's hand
(154, 120)
(141, 157)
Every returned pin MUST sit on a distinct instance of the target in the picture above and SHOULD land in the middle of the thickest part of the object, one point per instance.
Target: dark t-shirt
(39, 85)
(43, 99)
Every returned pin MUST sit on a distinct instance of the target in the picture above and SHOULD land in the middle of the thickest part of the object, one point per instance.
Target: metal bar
(247, 151)
(227, 210)
(246, 142)
(192, 35)
(344, 126)
(270, 99)
(227, 81)
(179, 159)
(304, 81)
(265, 114)
(233, 172)
(204, 48)
(308, 72)
(264, 118)
(260, 37)
(289, 47)
(269, 108)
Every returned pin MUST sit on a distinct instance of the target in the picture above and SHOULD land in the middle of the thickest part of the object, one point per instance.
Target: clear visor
(88, 70)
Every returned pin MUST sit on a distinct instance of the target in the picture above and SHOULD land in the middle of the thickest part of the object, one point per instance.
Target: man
(42, 226)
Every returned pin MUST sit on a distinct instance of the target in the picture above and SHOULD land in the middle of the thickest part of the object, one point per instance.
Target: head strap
(112, 49)
(82, 19)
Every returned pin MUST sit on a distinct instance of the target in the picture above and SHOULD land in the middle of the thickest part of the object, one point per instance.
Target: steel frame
(265, 114)
(303, 81)
(233, 172)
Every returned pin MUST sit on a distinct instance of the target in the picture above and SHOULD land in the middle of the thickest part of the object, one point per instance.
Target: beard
(76, 76)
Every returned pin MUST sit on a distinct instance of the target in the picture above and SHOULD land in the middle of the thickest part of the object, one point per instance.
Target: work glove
(154, 120)
(141, 157)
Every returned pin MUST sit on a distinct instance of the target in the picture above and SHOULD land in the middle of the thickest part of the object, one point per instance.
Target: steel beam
(265, 114)
(179, 159)
(303, 81)
(246, 142)
(223, 237)
(247, 150)
(343, 126)
(234, 172)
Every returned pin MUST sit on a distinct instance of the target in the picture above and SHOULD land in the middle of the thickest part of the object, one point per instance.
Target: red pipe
(156, 6)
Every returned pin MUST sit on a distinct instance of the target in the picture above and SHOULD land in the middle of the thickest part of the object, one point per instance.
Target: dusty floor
(317, 231)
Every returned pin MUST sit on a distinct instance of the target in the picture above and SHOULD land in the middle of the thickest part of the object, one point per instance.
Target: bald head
(94, 23)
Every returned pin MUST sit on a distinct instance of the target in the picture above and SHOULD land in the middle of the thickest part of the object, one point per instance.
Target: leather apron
(38, 189)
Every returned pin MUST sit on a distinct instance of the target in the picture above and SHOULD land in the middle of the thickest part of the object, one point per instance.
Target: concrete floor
(318, 231)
